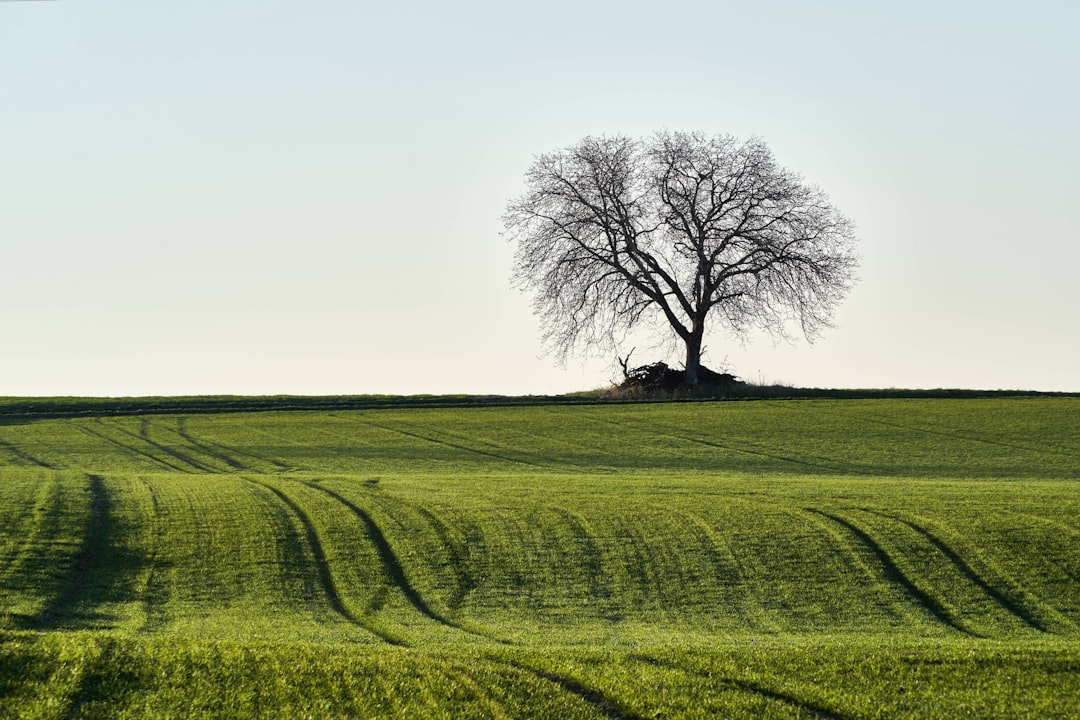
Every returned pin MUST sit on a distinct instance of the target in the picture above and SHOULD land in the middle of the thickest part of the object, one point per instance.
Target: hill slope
(823, 558)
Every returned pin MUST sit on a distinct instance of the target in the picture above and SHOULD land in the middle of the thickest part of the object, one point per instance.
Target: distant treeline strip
(15, 409)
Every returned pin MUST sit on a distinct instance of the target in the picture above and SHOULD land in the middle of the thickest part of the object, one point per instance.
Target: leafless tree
(677, 228)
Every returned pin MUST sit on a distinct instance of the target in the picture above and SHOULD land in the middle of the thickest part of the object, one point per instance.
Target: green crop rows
(788, 559)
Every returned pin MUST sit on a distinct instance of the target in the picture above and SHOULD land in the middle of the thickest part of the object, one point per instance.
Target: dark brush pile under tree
(673, 230)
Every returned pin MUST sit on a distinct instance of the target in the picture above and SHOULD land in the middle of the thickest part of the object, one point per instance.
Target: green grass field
(857, 558)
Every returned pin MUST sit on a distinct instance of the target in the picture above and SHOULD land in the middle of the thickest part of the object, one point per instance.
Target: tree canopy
(675, 229)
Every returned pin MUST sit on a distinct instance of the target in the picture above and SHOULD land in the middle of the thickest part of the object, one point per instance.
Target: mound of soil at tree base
(660, 377)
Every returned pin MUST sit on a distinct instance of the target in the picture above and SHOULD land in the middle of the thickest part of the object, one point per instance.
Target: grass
(854, 558)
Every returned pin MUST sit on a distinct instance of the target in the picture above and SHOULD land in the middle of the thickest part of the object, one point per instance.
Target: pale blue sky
(268, 197)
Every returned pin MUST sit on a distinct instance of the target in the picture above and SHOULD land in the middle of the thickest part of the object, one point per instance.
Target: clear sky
(262, 197)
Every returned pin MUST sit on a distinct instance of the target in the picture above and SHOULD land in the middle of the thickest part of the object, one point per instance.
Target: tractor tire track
(849, 555)
(1011, 605)
(1052, 522)
(1070, 569)
(127, 448)
(747, 686)
(46, 503)
(463, 678)
(322, 566)
(641, 579)
(93, 540)
(22, 455)
(155, 592)
(144, 435)
(223, 453)
(599, 578)
(465, 554)
(896, 576)
(598, 700)
(446, 443)
(280, 438)
(92, 676)
(217, 454)
(729, 572)
(535, 462)
(679, 434)
(393, 567)
(460, 560)
(960, 435)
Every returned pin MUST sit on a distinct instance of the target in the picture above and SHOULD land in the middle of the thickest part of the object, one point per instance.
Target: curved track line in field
(747, 686)
(534, 461)
(680, 434)
(92, 675)
(957, 435)
(45, 502)
(1072, 572)
(444, 443)
(639, 564)
(1011, 605)
(459, 561)
(1063, 526)
(393, 567)
(93, 539)
(727, 564)
(144, 435)
(322, 566)
(14, 450)
(221, 452)
(280, 438)
(217, 454)
(851, 557)
(598, 700)
(153, 591)
(599, 579)
(549, 440)
(463, 678)
(126, 448)
(893, 573)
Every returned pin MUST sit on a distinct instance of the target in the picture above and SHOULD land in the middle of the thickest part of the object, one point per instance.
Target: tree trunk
(693, 354)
